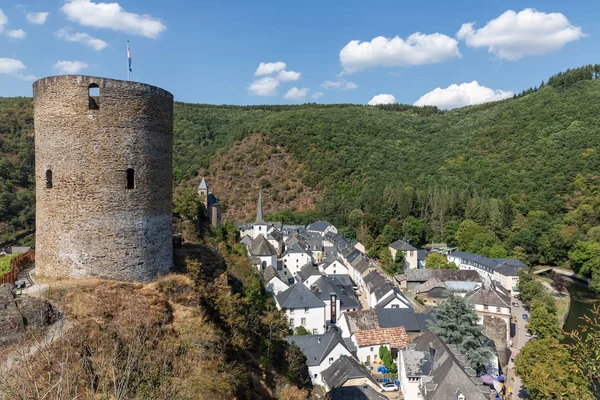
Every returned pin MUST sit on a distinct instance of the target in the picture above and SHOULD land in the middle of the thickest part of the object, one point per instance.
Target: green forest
(517, 177)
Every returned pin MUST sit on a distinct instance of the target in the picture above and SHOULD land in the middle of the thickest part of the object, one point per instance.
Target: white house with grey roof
(321, 352)
(274, 283)
(262, 253)
(295, 257)
(410, 253)
(334, 266)
(321, 227)
(336, 293)
(502, 270)
(302, 308)
(430, 369)
(381, 292)
(307, 275)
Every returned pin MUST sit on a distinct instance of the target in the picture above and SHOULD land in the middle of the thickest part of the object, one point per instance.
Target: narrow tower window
(48, 179)
(130, 178)
(94, 96)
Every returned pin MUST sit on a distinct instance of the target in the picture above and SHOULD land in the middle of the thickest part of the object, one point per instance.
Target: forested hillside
(516, 177)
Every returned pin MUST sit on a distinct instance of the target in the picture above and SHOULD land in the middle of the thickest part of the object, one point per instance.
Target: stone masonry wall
(89, 224)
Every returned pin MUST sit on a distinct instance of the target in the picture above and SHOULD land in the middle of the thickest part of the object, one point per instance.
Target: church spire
(203, 185)
(259, 210)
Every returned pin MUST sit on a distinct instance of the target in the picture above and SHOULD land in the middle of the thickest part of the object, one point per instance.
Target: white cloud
(296, 94)
(10, 66)
(266, 86)
(514, 35)
(70, 67)
(112, 16)
(382, 99)
(17, 34)
(417, 49)
(3, 20)
(317, 95)
(285, 76)
(339, 83)
(269, 68)
(38, 18)
(462, 95)
(78, 37)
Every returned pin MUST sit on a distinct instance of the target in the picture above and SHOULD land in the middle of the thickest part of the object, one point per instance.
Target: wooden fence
(18, 263)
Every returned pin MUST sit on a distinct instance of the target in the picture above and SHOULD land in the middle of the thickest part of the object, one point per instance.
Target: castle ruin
(103, 170)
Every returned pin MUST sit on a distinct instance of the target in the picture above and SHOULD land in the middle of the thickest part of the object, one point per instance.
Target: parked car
(527, 333)
(525, 316)
(518, 296)
(515, 304)
(389, 387)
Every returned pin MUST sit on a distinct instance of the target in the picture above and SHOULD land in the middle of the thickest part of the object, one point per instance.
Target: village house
(347, 377)
(410, 253)
(433, 292)
(296, 256)
(302, 308)
(321, 228)
(274, 283)
(414, 277)
(430, 369)
(367, 343)
(334, 266)
(262, 253)
(376, 318)
(336, 293)
(321, 352)
(502, 270)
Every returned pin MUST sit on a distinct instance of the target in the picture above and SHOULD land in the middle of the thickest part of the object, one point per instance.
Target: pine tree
(456, 322)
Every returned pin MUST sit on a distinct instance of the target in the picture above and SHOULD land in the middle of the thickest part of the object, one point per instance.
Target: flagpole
(128, 60)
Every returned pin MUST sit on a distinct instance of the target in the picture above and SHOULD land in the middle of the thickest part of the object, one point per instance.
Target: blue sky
(210, 51)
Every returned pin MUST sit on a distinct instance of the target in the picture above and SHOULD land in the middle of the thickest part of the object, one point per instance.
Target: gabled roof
(505, 266)
(343, 369)
(306, 271)
(295, 248)
(442, 275)
(318, 226)
(375, 318)
(325, 286)
(275, 235)
(261, 247)
(395, 337)
(444, 368)
(317, 347)
(298, 296)
(246, 240)
(402, 245)
(271, 273)
(396, 294)
(331, 260)
(490, 295)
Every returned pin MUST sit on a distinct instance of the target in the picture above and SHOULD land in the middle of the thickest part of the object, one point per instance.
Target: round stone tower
(103, 170)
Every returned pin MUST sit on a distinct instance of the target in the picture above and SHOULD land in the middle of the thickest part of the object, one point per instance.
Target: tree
(585, 259)
(297, 371)
(543, 323)
(548, 372)
(189, 205)
(529, 287)
(396, 267)
(584, 348)
(456, 322)
(558, 281)
(301, 331)
(438, 261)
(388, 361)
(412, 230)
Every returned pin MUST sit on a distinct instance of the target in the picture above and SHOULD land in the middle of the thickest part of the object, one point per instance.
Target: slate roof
(396, 294)
(505, 266)
(306, 271)
(373, 279)
(246, 240)
(270, 273)
(448, 371)
(375, 318)
(428, 285)
(402, 245)
(295, 248)
(345, 368)
(355, 393)
(261, 247)
(318, 226)
(275, 235)
(442, 275)
(395, 337)
(490, 295)
(203, 185)
(331, 260)
(298, 296)
(323, 287)
(317, 347)
(15, 250)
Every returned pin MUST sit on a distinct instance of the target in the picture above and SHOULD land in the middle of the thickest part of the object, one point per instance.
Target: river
(582, 301)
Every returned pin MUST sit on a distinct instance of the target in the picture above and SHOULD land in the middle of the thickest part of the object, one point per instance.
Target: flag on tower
(129, 57)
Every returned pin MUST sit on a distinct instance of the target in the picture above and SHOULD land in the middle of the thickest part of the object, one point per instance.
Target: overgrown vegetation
(6, 263)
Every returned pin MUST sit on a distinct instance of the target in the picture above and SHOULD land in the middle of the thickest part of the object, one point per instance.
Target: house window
(498, 309)
(315, 331)
(315, 376)
(371, 349)
(303, 321)
(264, 264)
(292, 323)
(94, 97)
(395, 306)
(330, 360)
(48, 179)
(485, 307)
(305, 309)
(130, 178)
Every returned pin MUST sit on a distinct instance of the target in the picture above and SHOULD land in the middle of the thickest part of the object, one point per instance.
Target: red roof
(395, 337)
